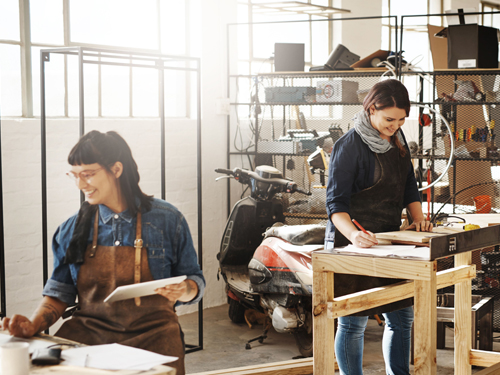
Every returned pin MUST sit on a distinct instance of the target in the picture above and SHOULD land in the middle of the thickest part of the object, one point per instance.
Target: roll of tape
(375, 61)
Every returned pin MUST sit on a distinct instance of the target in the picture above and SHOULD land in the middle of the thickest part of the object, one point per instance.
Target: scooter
(267, 265)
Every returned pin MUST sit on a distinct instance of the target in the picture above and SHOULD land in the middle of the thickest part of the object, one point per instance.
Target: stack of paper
(113, 357)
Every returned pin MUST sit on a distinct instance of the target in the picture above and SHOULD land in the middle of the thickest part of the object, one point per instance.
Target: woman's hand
(19, 326)
(184, 291)
(361, 239)
(420, 226)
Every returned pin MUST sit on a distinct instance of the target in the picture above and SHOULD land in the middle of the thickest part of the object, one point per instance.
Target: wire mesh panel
(468, 99)
(469, 102)
(291, 122)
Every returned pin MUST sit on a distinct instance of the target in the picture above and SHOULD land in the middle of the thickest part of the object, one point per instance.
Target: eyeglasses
(83, 175)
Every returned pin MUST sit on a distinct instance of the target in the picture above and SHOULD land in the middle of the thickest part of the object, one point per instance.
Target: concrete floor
(224, 345)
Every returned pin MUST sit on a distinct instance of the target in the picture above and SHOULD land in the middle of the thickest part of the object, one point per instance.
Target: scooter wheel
(248, 346)
(236, 311)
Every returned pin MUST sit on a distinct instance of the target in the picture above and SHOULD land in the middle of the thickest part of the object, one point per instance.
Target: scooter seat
(311, 234)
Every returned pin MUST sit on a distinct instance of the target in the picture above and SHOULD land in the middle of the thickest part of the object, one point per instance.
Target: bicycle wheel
(431, 147)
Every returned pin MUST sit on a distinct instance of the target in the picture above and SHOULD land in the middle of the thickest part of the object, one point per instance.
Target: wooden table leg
(425, 325)
(463, 319)
(323, 328)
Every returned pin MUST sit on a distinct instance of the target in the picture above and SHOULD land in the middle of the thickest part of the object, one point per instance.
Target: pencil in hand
(359, 226)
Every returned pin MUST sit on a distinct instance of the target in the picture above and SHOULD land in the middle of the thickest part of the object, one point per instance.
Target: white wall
(457, 4)
(361, 37)
(21, 165)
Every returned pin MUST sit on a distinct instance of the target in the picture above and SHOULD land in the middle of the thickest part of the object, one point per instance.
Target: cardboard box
(471, 46)
(371, 60)
(439, 48)
(340, 91)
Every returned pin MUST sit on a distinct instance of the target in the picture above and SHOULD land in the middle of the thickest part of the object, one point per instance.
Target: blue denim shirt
(166, 236)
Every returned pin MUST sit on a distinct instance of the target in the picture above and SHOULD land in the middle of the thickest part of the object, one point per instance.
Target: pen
(359, 226)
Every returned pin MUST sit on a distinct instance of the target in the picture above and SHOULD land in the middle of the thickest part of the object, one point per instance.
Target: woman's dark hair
(387, 94)
(105, 149)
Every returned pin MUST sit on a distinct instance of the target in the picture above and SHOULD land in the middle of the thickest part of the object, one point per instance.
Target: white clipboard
(141, 289)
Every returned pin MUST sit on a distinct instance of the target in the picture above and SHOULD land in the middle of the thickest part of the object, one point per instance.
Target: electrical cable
(460, 191)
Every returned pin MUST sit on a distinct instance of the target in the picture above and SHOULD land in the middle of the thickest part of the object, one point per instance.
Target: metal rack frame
(401, 29)
(130, 59)
(229, 75)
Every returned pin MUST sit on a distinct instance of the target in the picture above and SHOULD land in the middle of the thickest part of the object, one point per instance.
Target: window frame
(25, 44)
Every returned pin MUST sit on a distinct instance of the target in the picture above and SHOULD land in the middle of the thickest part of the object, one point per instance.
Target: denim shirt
(166, 237)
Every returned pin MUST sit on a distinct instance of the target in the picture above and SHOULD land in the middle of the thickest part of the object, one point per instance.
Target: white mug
(15, 358)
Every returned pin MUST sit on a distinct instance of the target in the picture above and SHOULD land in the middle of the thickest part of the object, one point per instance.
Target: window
(492, 20)
(138, 25)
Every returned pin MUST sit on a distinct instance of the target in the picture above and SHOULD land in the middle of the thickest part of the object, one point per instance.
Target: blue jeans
(395, 342)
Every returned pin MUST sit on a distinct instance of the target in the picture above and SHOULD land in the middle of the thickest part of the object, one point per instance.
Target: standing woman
(120, 236)
(371, 180)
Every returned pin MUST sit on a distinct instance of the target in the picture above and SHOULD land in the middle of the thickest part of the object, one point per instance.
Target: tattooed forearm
(49, 315)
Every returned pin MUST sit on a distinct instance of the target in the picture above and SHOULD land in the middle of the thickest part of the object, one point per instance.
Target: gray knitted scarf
(370, 135)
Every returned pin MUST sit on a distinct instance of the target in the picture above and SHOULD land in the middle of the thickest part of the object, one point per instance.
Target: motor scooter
(267, 265)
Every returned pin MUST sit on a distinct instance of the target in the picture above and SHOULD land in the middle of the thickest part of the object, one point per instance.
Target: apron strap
(94, 238)
(138, 250)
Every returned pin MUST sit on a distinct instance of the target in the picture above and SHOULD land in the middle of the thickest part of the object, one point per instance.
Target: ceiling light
(296, 7)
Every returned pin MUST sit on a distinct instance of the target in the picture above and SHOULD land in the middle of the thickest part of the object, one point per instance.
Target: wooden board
(410, 236)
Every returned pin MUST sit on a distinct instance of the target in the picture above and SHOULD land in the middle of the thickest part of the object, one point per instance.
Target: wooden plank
(425, 326)
(493, 370)
(323, 328)
(378, 267)
(293, 367)
(483, 358)
(408, 236)
(356, 302)
(463, 335)
(455, 275)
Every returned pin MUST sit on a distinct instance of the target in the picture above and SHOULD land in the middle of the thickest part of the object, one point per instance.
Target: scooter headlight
(258, 272)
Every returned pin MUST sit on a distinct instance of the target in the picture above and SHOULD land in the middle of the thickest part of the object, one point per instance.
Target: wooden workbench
(421, 282)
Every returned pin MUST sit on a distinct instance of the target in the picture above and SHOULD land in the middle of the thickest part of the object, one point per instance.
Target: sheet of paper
(141, 289)
(396, 251)
(113, 357)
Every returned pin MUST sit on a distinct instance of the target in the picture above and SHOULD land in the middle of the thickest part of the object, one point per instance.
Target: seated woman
(120, 236)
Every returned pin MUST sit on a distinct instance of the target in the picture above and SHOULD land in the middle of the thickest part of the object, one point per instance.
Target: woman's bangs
(83, 153)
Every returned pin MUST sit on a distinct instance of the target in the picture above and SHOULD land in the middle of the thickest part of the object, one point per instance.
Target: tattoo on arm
(49, 316)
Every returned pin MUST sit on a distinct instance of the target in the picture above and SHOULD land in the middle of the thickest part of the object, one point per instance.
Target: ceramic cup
(15, 358)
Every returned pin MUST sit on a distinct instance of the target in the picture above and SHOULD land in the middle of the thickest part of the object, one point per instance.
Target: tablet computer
(141, 289)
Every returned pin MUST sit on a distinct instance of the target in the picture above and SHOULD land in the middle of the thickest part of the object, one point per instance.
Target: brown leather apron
(153, 325)
(378, 209)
